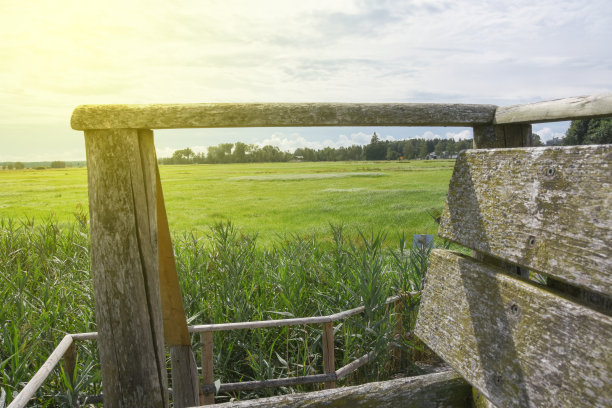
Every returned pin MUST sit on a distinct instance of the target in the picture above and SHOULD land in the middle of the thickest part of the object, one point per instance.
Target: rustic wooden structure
(544, 210)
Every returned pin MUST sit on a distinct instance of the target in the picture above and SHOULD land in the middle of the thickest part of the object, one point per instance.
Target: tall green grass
(225, 276)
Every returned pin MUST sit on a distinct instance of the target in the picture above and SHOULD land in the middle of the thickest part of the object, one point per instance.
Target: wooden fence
(67, 351)
(131, 251)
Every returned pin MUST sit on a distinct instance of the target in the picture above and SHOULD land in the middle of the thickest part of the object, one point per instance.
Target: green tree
(19, 166)
(183, 156)
(589, 131)
(58, 164)
(423, 149)
(439, 149)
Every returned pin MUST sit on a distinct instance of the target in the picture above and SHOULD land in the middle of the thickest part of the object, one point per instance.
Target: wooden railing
(125, 195)
(66, 350)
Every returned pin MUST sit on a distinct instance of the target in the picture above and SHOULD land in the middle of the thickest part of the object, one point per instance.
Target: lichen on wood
(545, 209)
(224, 115)
(519, 344)
(444, 389)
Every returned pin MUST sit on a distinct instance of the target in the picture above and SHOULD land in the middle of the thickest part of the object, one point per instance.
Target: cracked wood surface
(579, 107)
(516, 343)
(546, 209)
(122, 206)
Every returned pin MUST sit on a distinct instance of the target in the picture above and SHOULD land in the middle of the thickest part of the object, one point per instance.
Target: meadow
(321, 237)
(268, 199)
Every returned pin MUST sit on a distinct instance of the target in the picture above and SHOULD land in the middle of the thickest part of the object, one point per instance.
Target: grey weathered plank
(580, 107)
(121, 175)
(520, 345)
(546, 209)
(444, 389)
(224, 115)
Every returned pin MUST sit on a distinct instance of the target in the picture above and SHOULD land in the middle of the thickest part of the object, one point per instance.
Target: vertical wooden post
(124, 264)
(207, 366)
(329, 366)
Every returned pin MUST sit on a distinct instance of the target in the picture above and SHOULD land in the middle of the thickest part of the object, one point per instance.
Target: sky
(56, 55)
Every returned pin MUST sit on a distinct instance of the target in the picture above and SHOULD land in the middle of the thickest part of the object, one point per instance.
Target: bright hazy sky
(55, 55)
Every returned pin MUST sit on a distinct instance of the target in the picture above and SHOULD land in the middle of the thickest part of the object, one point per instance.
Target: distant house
(431, 156)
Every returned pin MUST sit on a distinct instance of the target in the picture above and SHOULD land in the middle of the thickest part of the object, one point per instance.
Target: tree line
(377, 149)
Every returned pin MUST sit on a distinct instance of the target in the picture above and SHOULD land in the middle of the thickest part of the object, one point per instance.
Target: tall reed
(46, 292)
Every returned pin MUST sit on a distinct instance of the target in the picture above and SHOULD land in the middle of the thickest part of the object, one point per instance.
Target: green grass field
(268, 199)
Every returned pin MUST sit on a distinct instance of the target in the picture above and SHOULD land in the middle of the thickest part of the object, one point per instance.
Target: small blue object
(422, 241)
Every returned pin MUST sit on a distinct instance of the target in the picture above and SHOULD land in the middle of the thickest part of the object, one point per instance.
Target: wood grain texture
(175, 322)
(226, 115)
(185, 382)
(444, 389)
(22, 399)
(491, 136)
(208, 378)
(328, 352)
(520, 345)
(121, 176)
(546, 209)
(580, 107)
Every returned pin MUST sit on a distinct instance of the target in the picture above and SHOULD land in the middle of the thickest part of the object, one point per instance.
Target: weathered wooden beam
(124, 264)
(520, 345)
(208, 378)
(21, 400)
(227, 115)
(580, 107)
(185, 383)
(329, 365)
(545, 209)
(444, 389)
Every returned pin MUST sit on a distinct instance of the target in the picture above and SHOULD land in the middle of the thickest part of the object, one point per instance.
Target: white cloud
(547, 134)
(293, 141)
(464, 134)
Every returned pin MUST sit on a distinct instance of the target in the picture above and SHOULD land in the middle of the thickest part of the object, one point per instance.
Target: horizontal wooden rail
(41, 375)
(229, 115)
(580, 107)
(288, 322)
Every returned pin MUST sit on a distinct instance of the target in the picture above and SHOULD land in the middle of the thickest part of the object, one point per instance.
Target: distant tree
(183, 156)
(589, 131)
(58, 164)
(376, 150)
(19, 166)
(537, 140)
(408, 150)
(11, 166)
(423, 150)
(239, 153)
(439, 148)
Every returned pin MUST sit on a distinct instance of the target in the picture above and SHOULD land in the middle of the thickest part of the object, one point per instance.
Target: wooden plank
(185, 383)
(124, 264)
(580, 107)
(175, 322)
(226, 115)
(329, 365)
(520, 345)
(545, 209)
(208, 378)
(444, 389)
